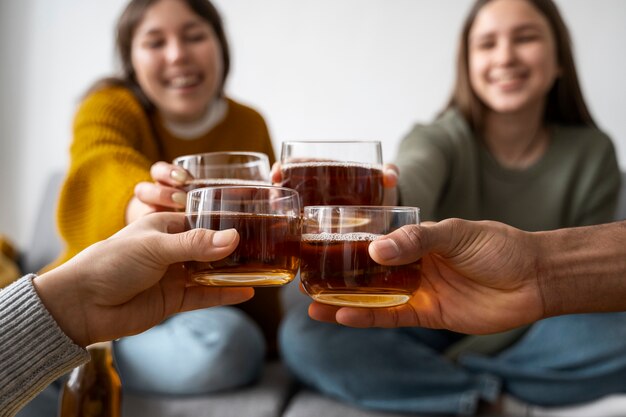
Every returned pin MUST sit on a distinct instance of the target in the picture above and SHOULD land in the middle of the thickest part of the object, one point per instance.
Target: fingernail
(177, 175)
(180, 198)
(386, 248)
(224, 237)
(390, 171)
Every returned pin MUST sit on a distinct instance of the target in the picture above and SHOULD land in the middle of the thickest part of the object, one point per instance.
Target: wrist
(581, 270)
(58, 292)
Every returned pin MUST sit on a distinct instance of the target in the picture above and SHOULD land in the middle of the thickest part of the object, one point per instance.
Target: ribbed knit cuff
(34, 351)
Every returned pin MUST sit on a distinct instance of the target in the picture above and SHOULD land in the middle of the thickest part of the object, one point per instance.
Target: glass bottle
(93, 389)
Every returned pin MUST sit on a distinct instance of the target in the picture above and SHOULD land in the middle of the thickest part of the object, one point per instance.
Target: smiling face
(512, 56)
(177, 60)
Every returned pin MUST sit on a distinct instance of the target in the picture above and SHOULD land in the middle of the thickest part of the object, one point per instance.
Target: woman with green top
(515, 144)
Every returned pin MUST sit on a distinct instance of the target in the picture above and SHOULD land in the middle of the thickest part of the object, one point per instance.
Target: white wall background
(323, 69)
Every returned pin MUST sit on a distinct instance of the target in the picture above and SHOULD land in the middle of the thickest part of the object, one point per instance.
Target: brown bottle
(93, 389)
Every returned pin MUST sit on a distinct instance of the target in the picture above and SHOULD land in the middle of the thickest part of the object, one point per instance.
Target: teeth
(505, 77)
(184, 81)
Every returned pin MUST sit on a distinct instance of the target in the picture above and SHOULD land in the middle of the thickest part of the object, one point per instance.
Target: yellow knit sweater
(115, 143)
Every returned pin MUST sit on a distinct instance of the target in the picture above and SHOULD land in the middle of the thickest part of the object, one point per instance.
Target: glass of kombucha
(269, 225)
(335, 266)
(334, 173)
(225, 168)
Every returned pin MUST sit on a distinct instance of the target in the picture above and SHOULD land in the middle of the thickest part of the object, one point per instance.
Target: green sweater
(447, 172)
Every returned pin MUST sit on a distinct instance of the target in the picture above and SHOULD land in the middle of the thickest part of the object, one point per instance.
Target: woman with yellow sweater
(168, 102)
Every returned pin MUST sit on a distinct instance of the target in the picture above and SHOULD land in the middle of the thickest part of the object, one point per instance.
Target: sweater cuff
(34, 351)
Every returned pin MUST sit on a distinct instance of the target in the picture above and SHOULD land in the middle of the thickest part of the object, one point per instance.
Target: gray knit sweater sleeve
(34, 351)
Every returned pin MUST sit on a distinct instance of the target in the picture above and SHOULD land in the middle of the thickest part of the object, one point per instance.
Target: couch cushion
(45, 244)
(311, 404)
(267, 398)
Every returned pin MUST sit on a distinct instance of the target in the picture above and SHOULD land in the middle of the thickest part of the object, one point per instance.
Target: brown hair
(126, 26)
(565, 104)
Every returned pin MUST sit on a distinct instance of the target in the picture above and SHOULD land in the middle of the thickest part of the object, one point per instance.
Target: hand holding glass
(268, 222)
(335, 266)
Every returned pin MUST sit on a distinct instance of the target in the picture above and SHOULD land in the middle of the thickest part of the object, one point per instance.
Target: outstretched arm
(134, 280)
(117, 287)
(485, 277)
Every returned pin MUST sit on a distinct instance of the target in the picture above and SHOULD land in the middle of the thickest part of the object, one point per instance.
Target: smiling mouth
(507, 77)
(184, 81)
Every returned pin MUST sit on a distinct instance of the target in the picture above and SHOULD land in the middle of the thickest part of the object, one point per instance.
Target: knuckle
(395, 318)
(455, 224)
(199, 239)
(196, 237)
(412, 235)
(164, 195)
(157, 168)
(142, 191)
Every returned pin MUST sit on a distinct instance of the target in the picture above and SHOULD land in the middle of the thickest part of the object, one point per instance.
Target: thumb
(448, 237)
(399, 247)
(196, 245)
(411, 242)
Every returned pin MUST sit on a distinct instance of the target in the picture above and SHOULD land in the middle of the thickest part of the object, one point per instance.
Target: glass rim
(333, 163)
(198, 197)
(239, 187)
(286, 142)
(364, 208)
(262, 158)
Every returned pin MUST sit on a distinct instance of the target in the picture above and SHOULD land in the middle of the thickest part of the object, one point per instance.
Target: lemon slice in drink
(336, 224)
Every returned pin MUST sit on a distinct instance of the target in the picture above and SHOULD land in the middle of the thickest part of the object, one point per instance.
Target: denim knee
(383, 369)
(563, 360)
(298, 345)
(195, 352)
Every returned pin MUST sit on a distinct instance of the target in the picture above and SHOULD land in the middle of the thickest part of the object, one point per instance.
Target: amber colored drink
(219, 182)
(268, 253)
(334, 183)
(337, 269)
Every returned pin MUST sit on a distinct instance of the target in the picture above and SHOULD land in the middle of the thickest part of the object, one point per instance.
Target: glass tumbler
(335, 266)
(269, 225)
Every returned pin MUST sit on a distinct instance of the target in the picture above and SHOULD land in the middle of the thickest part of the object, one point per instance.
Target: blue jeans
(559, 361)
(196, 352)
